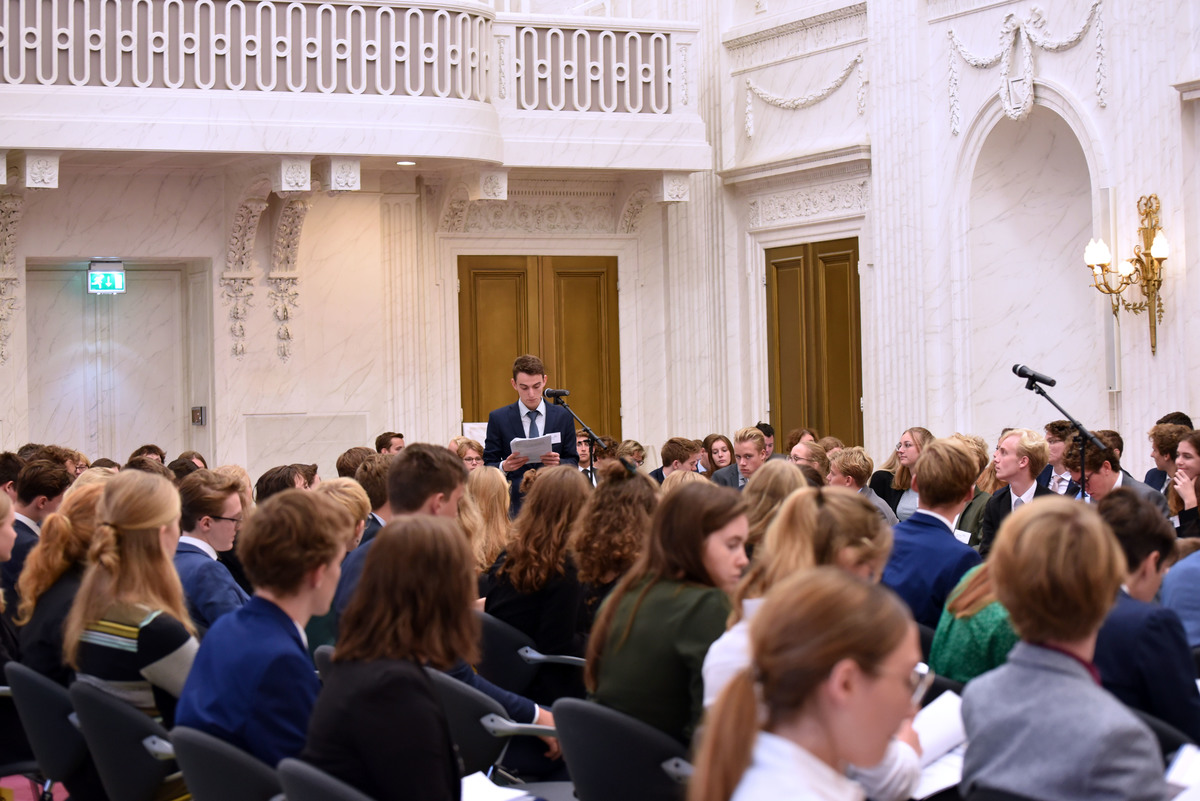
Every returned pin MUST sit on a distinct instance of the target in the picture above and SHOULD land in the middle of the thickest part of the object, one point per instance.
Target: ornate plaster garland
(793, 103)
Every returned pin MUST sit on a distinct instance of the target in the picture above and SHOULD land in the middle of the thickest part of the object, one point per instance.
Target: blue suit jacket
(504, 425)
(352, 568)
(253, 683)
(10, 571)
(926, 564)
(1155, 478)
(1181, 594)
(208, 585)
(370, 530)
(1143, 657)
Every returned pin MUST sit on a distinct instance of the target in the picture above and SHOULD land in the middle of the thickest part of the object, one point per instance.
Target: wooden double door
(561, 308)
(814, 340)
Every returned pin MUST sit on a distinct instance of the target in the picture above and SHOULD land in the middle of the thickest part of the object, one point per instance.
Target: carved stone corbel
(672, 187)
(237, 282)
(12, 206)
(284, 279)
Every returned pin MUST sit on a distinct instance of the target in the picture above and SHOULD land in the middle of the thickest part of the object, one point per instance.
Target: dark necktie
(533, 429)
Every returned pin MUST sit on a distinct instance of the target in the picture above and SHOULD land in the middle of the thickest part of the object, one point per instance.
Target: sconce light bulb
(1160, 249)
(1126, 269)
(1096, 253)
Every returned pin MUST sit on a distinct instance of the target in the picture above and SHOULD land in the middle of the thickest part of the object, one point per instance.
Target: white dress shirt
(541, 410)
(201, 544)
(780, 769)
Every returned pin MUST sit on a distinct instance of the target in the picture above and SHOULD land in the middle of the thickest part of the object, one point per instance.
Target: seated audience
(1040, 725)
(128, 630)
(678, 453)
(372, 476)
(927, 560)
(109, 463)
(195, 457)
(40, 487)
(378, 724)
(850, 468)
(1185, 483)
(1142, 651)
(182, 468)
(971, 520)
(13, 745)
(631, 449)
(610, 534)
(797, 435)
(277, 479)
(471, 452)
(534, 585)
(349, 461)
(389, 442)
(25, 452)
(211, 517)
(252, 684)
(147, 464)
(893, 480)
(1018, 460)
(717, 453)
(1055, 476)
(765, 491)
(812, 454)
(648, 645)
(1103, 470)
(583, 446)
(149, 452)
(246, 493)
(834, 669)
(51, 579)
(815, 527)
(749, 453)
(605, 451)
(483, 515)
(831, 445)
(1156, 477)
(349, 494)
(10, 468)
(1164, 449)
(309, 472)
(677, 480)
(768, 432)
(975, 633)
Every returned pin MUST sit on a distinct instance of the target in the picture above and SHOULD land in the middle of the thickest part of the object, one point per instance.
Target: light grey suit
(1146, 491)
(880, 504)
(1040, 726)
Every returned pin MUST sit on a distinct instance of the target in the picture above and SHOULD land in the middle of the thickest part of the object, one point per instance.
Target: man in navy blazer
(1018, 458)
(530, 416)
(1104, 473)
(1142, 651)
(1054, 476)
(927, 560)
(372, 476)
(252, 683)
(210, 517)
(40, 486)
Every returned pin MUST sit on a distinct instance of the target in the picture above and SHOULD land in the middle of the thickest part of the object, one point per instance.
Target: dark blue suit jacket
(504, 425)
(998, 507)
(1144, 660)
(1043, 480)
(10, 571)
(926, 564)
(1155, 478)
(371, 529)
(208, 585)
(657, 475)
(253, 683)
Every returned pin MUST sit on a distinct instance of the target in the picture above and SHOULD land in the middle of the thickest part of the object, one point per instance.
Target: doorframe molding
(627, 250)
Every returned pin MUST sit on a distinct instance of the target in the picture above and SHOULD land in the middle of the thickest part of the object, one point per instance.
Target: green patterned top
(963, 648)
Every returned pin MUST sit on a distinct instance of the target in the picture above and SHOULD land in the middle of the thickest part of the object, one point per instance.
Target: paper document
(478, 787)
(942, 774)
(940, 727)
(1184, 770)
(533, 448)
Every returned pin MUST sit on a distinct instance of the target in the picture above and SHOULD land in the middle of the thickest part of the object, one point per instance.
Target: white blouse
(780, 769)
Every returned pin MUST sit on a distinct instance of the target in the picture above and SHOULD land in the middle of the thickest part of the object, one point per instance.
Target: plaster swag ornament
(794, 103)
(1016, 91)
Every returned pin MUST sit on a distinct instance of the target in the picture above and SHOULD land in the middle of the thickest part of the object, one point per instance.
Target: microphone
(556, 393)
(1033, 375)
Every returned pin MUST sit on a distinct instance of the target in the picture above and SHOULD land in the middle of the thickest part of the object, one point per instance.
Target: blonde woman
(128, 631)
(832, 671)
(483, 514)
(893, 480)
(764, 492)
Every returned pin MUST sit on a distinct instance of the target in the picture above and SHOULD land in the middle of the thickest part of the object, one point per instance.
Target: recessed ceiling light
(406, 163)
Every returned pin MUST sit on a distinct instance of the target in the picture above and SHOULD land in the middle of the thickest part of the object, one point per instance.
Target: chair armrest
(159, 748)
(503, 727)
(5, 692)
(537, 658)
(73, 719)
(678, 770)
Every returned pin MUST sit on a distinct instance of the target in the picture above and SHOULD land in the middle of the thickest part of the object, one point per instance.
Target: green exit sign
(106, 278)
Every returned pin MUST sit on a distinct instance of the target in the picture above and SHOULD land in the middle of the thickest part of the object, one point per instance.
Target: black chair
(45, 711)
(24, 767)
(1170, 739)
(218, 771)
(1196, 659)
(323, 657)
(940, 685)
(611, 755)
(509, 659)
(133, 753)
(926, 635)
(989, 794)
(303, 782)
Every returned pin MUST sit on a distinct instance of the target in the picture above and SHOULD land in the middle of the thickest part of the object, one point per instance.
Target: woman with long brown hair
(717, 453)
(649, 641)
(893, 480)
(834, 669)
(51, 579)
(378, 724)
(610, 532)
(128, 630)
(535, 585)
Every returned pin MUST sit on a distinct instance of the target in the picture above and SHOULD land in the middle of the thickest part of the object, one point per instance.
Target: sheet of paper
(942, 774)
(1184, 770)
(532, 448)
(478, 787)
(962, 536)
(940, 727)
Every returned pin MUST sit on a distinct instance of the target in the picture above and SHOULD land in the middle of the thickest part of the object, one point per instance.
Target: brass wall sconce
(1145, 269)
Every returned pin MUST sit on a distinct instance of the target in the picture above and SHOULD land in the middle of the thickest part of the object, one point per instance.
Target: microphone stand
(593, 441)
(1084, 435)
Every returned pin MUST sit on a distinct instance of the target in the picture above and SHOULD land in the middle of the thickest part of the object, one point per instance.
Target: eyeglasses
(237, 521)
(919, 681)
(473, 459)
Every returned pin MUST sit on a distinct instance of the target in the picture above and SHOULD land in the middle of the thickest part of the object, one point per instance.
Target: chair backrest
(323, 656)
(1196, 659)
(500, 663)
(1170, 739)
(45, 709)
(612, 755)
(464, 707)
(989, 794)
(926, 635)
(219, 771)
(115, 731)
(940, 685)
(302, 782)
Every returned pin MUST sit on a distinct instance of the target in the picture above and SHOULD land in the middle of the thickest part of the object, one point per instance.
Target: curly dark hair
(537, 549)
(611, 530)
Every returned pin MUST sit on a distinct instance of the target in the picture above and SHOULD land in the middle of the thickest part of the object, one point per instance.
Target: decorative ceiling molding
(798, 38)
